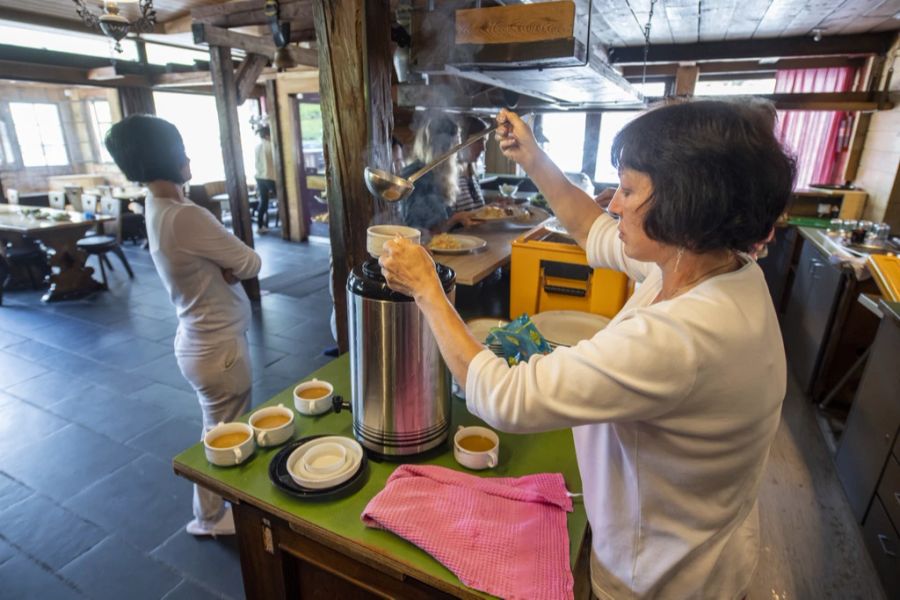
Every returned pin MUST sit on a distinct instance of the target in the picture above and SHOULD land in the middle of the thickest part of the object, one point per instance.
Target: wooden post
(353, 38)
(222, 71)
(686, 79)
(277, 140)
(591, 143)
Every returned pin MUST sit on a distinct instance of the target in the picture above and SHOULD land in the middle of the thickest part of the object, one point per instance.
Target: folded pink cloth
(504, 536)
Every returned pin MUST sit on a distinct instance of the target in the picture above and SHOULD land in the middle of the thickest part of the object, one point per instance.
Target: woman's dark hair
(147, 149)
(720, 177)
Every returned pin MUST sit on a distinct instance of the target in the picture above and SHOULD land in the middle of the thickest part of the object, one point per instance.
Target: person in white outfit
(673, 406)
(201, 265)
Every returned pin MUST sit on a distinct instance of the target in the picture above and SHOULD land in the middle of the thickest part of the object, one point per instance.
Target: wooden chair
(57, 200)
(73, 197)
(89, 203)
(100, 246)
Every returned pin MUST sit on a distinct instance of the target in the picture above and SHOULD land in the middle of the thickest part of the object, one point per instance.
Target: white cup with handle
(476, 448)
(229, 444)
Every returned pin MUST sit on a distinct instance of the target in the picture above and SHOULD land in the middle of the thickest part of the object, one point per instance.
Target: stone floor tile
(14, 369)
(202, 559)
(24, 579)
(50, 388)
(110, 413)
(22, 424)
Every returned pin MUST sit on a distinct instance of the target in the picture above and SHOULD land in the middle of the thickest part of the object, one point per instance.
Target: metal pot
(400, 383)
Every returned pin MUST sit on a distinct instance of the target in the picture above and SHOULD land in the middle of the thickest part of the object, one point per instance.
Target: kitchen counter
(283, 539)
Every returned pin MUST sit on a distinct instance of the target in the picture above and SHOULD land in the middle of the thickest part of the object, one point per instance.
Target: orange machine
(550, 272)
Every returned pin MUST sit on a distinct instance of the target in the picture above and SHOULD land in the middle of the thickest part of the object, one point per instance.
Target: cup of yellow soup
(273, 425)
(229, 444)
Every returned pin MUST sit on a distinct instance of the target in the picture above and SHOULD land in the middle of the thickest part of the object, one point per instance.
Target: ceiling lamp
(113, 24)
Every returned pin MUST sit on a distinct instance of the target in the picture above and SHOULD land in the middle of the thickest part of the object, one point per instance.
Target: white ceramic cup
(232, 455)
(313, 406)
(274, 435)
(486, 459)
(377, 235)
(325, 459)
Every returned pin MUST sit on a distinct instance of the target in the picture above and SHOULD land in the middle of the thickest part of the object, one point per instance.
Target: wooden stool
(100, 245)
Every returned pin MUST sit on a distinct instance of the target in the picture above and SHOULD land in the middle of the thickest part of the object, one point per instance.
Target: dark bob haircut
(147, 149)
(720, 177)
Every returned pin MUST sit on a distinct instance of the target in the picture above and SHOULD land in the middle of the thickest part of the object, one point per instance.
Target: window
(6, 151)
(735, 87)
(101, 121)
(565, 139)
(311, 128)
(196, 118)
(163, 55)
(610, 124)
(46, 38)
(40, 134)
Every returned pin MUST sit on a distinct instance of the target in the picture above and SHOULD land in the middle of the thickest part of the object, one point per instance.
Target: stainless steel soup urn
(400, 383)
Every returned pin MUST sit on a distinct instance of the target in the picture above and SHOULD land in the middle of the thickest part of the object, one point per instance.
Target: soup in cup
(476, 448)
(313, 397)
(272, 425)
(229, 444)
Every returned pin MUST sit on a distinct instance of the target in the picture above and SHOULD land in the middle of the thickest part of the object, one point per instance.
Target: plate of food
(494, 212)
(451, 243)
(530, 216)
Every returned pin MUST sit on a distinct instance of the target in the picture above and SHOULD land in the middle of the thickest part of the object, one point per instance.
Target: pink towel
(505, 536)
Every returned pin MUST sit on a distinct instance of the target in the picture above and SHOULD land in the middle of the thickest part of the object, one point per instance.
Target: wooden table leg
(70, 277)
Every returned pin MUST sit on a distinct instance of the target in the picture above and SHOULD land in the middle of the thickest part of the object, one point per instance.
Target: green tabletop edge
(519, 455)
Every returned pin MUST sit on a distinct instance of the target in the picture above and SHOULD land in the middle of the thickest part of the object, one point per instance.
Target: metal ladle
(392, 188)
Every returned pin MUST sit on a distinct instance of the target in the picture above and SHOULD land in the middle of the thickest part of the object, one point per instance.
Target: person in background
(429, 205)
(672, 423)
(470, 196)
(397, 159)
(200, 264)
(265, 178)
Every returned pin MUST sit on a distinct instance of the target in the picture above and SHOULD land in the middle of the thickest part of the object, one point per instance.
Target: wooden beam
(216, 36)
(232, 157)
(179, 24)
(686, 80)
(850, 45)
(591, 143)
(251, 12)
(516, 23)
(743, 66)
(64, 75)
(271, 100)
(850, 101)
(182, 79)
(306, 57)
(247, 74)
(355, 86)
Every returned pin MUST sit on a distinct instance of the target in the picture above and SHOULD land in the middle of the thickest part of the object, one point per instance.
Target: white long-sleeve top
(673, 407)
(190, 248)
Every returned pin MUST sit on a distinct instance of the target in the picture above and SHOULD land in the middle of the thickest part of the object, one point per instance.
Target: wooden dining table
(70, 277)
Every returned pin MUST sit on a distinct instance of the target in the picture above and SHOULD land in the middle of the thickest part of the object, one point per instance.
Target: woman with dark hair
(429, 205)
(200, 264)
(675, 403)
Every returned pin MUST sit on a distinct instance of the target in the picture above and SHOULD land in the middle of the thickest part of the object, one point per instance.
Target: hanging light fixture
(114, 25)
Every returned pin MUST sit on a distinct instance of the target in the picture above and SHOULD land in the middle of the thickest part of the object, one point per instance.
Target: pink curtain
(817, 138)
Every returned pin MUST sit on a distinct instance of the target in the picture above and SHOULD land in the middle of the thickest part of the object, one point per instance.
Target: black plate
(279, 476)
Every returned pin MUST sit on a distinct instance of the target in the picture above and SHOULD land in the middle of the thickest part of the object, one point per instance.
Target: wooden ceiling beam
(64, 75)
(848, 45)
(251, 12)
(247, 74)
(204, 33)
(744, 66)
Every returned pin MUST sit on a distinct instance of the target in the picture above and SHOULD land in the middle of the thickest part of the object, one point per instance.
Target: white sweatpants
(220, 374)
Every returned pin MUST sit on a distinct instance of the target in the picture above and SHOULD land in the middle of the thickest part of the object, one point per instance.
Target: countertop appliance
(400, 383)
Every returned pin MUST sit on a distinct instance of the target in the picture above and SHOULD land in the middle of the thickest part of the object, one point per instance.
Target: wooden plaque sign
(516, 23)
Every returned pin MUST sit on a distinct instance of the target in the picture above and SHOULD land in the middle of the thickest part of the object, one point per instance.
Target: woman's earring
(678, 256)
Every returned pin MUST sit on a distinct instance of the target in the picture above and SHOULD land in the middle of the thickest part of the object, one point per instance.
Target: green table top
(249, 482)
